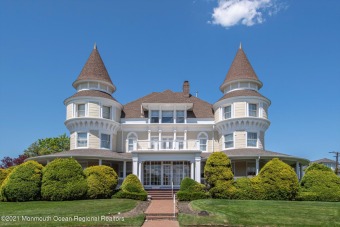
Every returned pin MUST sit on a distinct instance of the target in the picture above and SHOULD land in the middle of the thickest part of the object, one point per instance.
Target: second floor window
(179, 116)
(227, 112)
(252, 110)
(106, 112)
(105, 141)
(167, 117)
(82, 139)
(81, 110)
(252, 139)
(203, 140)
(229, 141)
(154, 116)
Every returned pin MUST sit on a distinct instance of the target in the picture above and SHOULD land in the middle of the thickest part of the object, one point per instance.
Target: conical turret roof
(239, 70)
(94, 70)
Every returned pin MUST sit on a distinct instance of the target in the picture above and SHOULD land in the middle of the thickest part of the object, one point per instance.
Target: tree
(48, 146)
(7, 162)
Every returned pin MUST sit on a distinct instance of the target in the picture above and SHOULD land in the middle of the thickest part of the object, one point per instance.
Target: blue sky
(155, 45)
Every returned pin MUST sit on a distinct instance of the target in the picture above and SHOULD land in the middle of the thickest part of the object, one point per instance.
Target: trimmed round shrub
(63, 179)
(4, 173)
(191, 190)
(23, 183)
(319, 183)
(131, 188)
(218, 168)
(277, 181)
(101, 181)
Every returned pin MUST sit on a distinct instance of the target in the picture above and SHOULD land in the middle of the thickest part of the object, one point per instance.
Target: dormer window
(154, 116)
(81, 110)
(106, 112)
(167, 117)
(227, 112)
(252, 110)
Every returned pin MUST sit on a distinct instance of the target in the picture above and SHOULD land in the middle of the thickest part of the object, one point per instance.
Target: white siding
(240, 109)
(240, 139)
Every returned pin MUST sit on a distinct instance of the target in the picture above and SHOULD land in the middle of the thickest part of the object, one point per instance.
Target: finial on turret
(95, 46)
(240, 45)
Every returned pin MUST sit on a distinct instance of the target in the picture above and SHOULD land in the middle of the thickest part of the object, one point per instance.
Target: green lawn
(68, 213)
(264, 213)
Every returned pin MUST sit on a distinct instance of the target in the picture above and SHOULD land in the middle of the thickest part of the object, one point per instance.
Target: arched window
(132, 141)
(202, 141)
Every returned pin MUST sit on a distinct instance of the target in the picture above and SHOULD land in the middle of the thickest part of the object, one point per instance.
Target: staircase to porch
(161, 194)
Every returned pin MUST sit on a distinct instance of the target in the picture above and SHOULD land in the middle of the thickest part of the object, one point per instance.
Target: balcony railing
(165, 145)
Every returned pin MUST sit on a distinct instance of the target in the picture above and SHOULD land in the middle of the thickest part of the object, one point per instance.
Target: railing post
(172, 188)
(174, 205)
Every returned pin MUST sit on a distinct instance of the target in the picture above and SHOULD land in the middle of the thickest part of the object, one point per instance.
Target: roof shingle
(239, 93)
(92, 93)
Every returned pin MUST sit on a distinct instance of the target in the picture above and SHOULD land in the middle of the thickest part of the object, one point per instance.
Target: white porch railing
(164, 145)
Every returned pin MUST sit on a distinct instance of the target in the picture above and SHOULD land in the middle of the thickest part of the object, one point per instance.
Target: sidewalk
(161, 213)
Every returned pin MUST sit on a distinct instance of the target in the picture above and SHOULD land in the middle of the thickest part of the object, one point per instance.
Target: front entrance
(158, 174)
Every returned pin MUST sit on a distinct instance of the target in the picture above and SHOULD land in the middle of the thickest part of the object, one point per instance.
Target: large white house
(165, 136)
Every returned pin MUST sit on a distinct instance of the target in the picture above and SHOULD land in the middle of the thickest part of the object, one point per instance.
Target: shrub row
(61, 179)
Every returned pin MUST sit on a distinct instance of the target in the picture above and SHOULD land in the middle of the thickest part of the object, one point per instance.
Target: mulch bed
(185, 208)
(139, 209)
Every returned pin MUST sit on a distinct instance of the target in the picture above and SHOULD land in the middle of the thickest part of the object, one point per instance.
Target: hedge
(23, 183)
(63, 179)
(101, 181)
(319, 183)
(276, 181)
(247, 189)
(191, 190)
(223, 190)
(131, 188)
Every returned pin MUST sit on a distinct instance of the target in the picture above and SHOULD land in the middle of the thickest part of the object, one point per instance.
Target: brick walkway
(161, 213)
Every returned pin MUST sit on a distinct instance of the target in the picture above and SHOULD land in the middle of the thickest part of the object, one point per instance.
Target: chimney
(186, 88)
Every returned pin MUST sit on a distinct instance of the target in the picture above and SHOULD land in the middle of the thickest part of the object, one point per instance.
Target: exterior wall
(72, 140)
(240, 139)
(261, 140)
(94, 139)
(69, 111)
(265, 112)
(217, 115)
(114, 142)
(239, 109)
(93, 109)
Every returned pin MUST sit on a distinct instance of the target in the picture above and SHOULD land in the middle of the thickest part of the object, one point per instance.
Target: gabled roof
(240, 69)
(201, 109)
(94, 69)
(239, 93)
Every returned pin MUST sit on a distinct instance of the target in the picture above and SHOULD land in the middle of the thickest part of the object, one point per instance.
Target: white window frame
(169, 111)
(176, 116)
(257, 138)
(110, 142)
(131, 135)
(233, 140)
(87, 140)
(202, 136)
(155, 111)
(76, 109)
(224, 112)
(257, 109)
(110, 114)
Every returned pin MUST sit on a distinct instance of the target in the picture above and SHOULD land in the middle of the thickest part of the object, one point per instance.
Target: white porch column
(159, 139)
(149, 139)
(185, 139)
(198, 169)
(257, 166)
(140, 171)
(100, 162)
(135, 166)
(175, 144)
(297, 169)
(301, 172)
(192, 165)
(124, 169)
